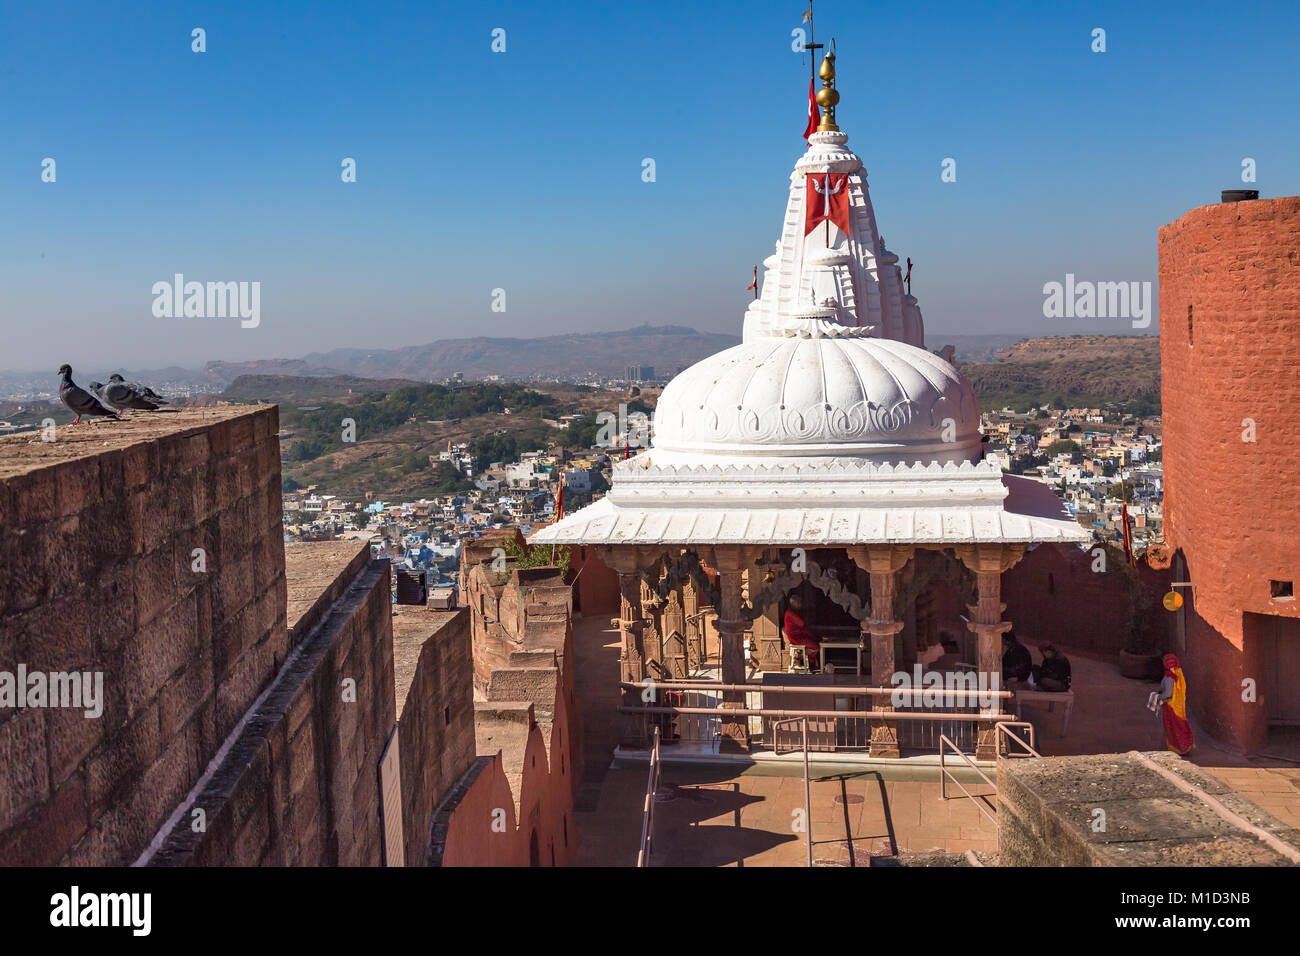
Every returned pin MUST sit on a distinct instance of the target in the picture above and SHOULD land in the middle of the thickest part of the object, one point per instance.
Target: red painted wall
(1230, 504)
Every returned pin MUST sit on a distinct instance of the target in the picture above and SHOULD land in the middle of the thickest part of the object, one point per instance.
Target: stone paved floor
(733, 816)
(713, 817)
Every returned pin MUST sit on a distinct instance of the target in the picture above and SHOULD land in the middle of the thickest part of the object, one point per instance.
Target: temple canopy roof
(830, 424)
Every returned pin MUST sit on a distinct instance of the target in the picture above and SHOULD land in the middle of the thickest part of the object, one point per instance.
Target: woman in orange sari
(1173, 697)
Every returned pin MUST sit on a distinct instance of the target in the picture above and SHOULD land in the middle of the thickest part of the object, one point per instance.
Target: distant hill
(298, 388)
(668, 348)
(1078, 369)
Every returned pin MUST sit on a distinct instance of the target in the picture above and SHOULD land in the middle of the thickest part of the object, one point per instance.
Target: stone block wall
(149, 551)
(435, 707)
(299, 785)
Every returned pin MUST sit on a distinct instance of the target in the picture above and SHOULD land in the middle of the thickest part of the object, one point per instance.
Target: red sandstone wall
(437, 730)
(95, 574)
(463, 830)
(596, 583)
(1053, 594)
(1228, 503)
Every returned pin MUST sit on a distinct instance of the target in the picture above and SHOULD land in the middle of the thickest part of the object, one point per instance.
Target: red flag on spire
(827, 199)
(754, 284)
(559, 500)
(627, 448)
(814, 114)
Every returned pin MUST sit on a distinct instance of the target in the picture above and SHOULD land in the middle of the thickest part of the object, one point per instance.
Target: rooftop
(28, 451)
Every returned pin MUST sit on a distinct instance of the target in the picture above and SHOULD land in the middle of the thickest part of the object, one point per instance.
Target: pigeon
(120, 395)
(80, 400)
(144, 390)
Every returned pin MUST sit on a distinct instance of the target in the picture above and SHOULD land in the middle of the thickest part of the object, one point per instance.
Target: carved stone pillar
(624, 562)
(767, 635)
(988, 561)
(730, 561)
(882, 562)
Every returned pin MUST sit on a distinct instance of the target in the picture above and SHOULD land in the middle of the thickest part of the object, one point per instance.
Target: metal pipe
(807, 791)
(648, 810)
(812, 689)
(851, 714)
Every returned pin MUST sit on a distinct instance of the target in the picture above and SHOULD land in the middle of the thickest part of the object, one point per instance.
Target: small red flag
(814, 114)
(754, 284)
(828, 199)
(627, 448)
(559, 500)
(1123, 518)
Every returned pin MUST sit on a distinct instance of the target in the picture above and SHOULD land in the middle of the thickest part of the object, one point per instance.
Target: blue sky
(522, 170)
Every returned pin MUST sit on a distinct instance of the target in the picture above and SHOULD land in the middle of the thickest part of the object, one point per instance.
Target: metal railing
(648, 813)
(693, 712)
(1003, 730)
(945, 774)
(807, 781)
(1002, 734)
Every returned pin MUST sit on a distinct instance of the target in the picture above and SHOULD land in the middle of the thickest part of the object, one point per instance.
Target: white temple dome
(830, 424)
(824, 391)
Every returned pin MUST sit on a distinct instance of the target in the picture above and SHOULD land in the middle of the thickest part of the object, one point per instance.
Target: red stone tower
(1230, 374)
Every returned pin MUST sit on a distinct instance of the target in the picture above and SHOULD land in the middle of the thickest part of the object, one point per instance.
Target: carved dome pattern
(816, 392)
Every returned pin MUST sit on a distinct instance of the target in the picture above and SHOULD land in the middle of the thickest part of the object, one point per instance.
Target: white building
(829, 427)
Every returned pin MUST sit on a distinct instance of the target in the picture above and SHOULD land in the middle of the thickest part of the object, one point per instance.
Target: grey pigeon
(144, 390)
(80, 400)
(120, 395)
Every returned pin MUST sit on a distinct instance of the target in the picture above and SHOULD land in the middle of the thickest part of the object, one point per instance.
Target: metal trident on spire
(812, 35)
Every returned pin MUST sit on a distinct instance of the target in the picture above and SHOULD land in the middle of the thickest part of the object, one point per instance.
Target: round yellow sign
(1173, 601)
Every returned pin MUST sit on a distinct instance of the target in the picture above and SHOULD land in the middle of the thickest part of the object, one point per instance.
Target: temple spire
(828, 96)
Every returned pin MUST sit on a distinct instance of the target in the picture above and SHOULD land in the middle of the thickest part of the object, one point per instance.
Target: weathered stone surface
(1113, 810)
(95, 576)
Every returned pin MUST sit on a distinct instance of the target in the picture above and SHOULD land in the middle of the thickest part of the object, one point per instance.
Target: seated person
(1054, 673)
(1016, 662)
(796, 631)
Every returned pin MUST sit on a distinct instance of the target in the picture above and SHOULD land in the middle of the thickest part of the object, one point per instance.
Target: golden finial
(828, 96)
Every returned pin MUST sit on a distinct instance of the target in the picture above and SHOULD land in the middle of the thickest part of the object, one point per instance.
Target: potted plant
(1140, 658)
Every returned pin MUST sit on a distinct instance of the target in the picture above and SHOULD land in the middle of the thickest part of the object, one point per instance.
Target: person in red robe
(797, 632)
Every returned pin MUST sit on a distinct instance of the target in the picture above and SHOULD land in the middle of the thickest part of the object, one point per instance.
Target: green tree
(1064, 446)
(487, 449)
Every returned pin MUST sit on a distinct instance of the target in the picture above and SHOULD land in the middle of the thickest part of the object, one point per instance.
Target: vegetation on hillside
(1091, 371)
(321, 430)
